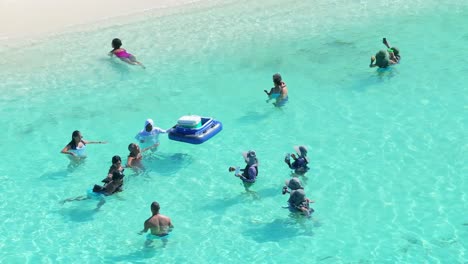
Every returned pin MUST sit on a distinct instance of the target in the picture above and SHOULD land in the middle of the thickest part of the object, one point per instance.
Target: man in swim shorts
(160, 225)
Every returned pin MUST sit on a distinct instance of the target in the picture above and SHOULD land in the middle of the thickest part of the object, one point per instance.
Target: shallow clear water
(388, 149)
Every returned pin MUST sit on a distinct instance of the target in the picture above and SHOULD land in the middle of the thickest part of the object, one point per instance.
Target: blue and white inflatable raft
(194, 129)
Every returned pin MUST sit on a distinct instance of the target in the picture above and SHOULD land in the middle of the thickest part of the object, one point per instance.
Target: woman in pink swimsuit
(122, 53)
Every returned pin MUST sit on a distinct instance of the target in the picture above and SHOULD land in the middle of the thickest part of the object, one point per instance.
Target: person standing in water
(149, 136)
(159, 225)
(76, 148)
(249, 174)
(279, 92)
(385, 58)
(122, 54)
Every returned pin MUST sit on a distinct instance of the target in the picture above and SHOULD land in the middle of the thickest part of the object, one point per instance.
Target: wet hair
(116, 158)
(72, 141)
(277, 79)
(155, 206)
(131, 146)
(116, 43)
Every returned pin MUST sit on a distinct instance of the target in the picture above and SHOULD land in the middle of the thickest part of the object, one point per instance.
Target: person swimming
(99, 192)
(122, 54)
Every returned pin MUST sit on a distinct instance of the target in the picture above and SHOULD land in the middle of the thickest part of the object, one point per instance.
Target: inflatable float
(194, 129)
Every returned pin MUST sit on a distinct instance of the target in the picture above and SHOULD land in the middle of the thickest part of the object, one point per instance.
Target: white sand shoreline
(23, 20)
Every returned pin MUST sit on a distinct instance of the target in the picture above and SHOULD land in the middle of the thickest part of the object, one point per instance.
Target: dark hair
(155, 206)
(116, 43)
(130, 147)
(277, 79)
(72, 141)
(116, 158)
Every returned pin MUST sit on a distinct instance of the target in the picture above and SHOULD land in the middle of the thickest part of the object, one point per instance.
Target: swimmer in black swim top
(110, 188)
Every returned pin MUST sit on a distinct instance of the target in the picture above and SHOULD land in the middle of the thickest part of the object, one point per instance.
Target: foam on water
(388, 149)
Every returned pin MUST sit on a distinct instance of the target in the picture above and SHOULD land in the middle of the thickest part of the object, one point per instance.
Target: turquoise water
(388, 149)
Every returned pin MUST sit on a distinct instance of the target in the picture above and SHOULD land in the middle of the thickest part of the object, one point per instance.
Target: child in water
(122, 54)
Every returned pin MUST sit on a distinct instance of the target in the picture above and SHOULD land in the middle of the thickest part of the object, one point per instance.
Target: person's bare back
(160, 225)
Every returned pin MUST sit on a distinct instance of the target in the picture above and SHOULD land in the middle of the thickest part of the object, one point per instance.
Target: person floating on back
(249, 174)
(122, 54)
(160, 225)
(385, 58)
(279, 92)
(300, 162)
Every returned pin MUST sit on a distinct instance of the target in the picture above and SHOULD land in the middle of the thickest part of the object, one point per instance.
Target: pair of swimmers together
(279, 92)
(385, 58)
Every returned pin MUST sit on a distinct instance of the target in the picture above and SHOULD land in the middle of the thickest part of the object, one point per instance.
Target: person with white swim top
(77, 146)
(149, 136)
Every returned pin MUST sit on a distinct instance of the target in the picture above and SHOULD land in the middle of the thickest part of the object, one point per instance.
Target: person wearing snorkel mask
(299, 165)
(248, 175)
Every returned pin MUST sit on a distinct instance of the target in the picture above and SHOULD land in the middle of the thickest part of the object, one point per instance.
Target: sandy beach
(32, 18)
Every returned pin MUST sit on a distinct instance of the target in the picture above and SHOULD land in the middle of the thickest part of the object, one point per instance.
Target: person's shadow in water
(167, 164)
(138, 256)
(279, 229)
(253, 117)
(374, 79)
(56, 175)
(78, 214)
(221, 205)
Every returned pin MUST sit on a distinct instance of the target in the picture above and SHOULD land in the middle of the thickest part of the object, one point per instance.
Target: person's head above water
(116, 159)
(250, 157)
(155, 207)
(294, 184)
(277, 80)
(301, 150)
(116, 43)
(149, 125)
(76, 136)
(133, 147)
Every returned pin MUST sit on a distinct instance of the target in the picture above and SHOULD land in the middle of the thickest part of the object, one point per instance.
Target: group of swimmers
(297, 202)
(148, 138)
(382, 59)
